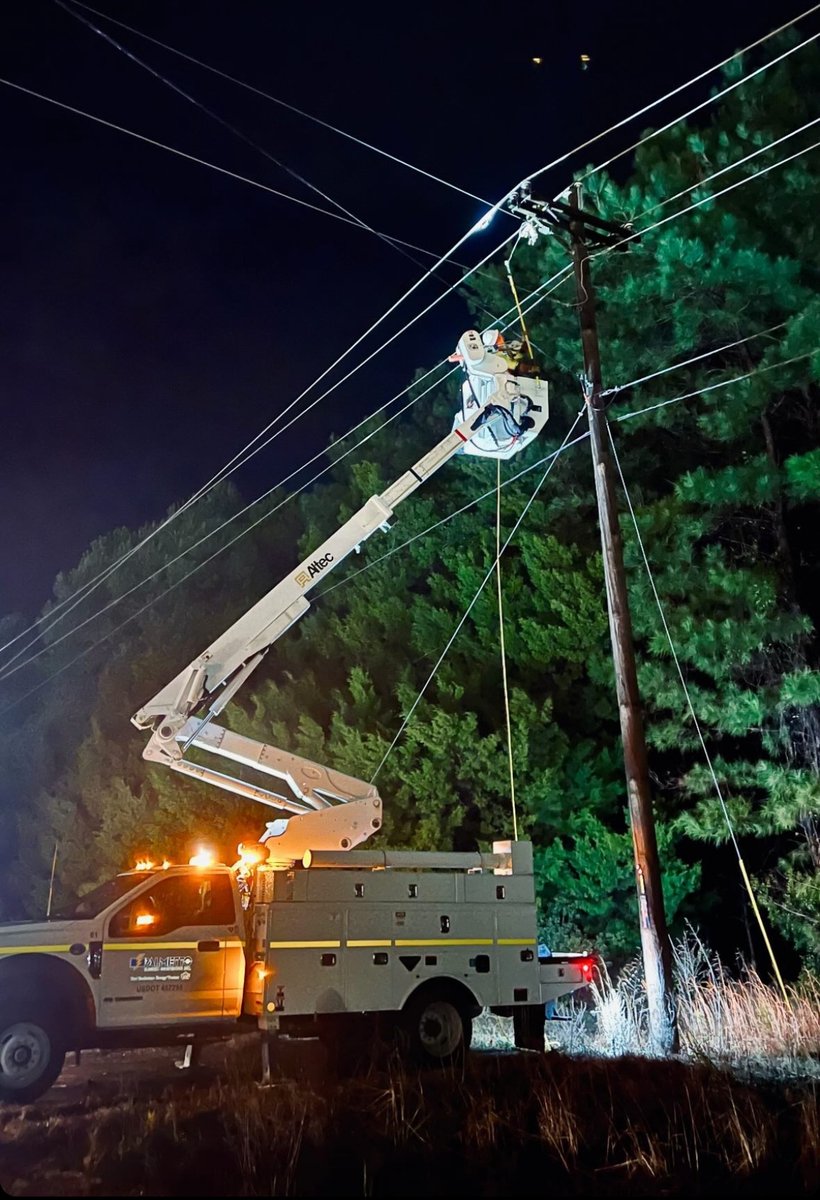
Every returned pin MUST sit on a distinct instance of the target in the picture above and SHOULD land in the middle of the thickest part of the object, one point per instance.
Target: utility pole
(657, 954)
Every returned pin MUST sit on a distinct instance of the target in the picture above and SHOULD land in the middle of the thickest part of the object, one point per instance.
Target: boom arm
(208, 683)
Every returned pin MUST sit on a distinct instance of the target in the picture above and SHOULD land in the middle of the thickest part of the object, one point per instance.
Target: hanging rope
(503, 646)
(744, 873)
(567, 441)
(517, 302)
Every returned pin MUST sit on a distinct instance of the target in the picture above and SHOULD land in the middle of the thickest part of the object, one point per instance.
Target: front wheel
(438, 1029)
(31, 1055)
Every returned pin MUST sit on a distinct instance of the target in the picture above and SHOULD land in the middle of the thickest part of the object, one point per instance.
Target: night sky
(155, 314)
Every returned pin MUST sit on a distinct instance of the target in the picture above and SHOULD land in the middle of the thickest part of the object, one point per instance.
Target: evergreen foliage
(726, 488)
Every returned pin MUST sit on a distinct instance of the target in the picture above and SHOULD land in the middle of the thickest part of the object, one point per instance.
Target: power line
(461, 241)
(283, 104)
(621, 387)
(450, 516)
(718, 95)
(9, 670)
(202, 162)
(226, 124)
(712, 387)
(432, 271)
(781, 162)
(211, 483)
(474, 601)
(673, 216)
(144, 608)
(241, 458)
(203, 491)
(234, 464)
(739, 163)
(639, 233)
(534, 466)
(695, 721)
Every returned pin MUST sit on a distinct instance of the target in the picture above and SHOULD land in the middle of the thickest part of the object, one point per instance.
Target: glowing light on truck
(253, 854)
(202, 858)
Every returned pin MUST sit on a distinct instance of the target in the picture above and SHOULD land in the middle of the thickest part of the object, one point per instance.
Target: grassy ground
(526, 1124)
(736, 1114)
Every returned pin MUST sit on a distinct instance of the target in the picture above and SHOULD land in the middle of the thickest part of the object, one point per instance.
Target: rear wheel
(31, 1054)
(437, 1027)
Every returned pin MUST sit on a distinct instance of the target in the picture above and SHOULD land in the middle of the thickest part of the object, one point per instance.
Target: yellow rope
(762, 925)
(518, 308)
(503, 647)
(741, 864)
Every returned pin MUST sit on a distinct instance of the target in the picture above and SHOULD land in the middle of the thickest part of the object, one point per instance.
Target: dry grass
(504, 1124)
(743, 1022)
(736, 1113)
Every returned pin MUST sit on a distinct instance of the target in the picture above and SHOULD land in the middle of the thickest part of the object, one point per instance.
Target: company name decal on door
(167, 968)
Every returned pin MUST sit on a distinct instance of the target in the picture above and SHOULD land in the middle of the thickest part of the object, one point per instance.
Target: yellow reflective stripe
(444, 941)
(153, 945)
(34, 949)
(304, 945)
(516, 941)
(369, 942)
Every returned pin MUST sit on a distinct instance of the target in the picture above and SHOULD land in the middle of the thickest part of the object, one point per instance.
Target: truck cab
(148, 954)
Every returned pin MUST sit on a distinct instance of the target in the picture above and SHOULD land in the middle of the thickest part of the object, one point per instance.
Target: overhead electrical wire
(717, 95)
(203, 162)
(687, 362)
(67, 7)
(739, 163)
(234, 465)
(721, 383)
(12, 669)
(498, 205)
(9, 670)
(549, 458)
(215, 116)
(450, 516)
(534, 466)
(283, 103)
(639, 112)
(676, 659)
(668, 95)
(487, 577)
(639, 233)
(541, 171)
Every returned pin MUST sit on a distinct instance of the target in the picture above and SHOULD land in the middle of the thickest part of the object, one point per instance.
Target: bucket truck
(306, 935)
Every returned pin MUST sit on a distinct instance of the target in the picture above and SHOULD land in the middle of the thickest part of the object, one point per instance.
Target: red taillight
(587, 968)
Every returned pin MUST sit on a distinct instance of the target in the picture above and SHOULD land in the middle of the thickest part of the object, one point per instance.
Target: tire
(32, 1053)
(437, 1028)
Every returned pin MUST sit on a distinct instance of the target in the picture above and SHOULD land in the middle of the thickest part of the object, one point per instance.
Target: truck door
(164, 952)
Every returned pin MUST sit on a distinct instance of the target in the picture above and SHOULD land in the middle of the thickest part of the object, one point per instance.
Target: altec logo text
(315, 568)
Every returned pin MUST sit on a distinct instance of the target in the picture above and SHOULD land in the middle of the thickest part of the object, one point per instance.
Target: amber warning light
(202, 858)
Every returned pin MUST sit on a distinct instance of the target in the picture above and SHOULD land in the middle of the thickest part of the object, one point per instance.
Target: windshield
(96, 901)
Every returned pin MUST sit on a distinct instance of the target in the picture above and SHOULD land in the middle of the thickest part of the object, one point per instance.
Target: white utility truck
(304, 936)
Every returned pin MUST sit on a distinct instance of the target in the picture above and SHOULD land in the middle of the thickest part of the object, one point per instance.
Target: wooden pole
(657, 955)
